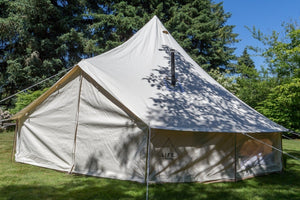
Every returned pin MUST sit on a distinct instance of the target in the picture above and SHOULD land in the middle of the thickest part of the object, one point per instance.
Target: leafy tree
(225, 80)
(283, 105)
(282, 55)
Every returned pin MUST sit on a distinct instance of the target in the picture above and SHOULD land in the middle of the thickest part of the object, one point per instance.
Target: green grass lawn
(26, 182)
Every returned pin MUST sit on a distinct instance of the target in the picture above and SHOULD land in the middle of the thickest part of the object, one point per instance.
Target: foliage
(200, 27)
(253, 91)
(283, 105)
(25, 98)
(245, 66)
(225, 80)
(282, 55)
(26, 182)
(253, 86)
(31, 48)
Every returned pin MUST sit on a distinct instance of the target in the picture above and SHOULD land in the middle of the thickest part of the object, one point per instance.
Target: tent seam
(76, 126)
(113, 99)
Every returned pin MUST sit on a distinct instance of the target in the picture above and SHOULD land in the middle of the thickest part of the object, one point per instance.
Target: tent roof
(137, 73)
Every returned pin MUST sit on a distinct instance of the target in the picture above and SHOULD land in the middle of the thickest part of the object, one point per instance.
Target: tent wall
(108, 142)
(203, 157)
(77, 127)
(191, 156)
(46, 134)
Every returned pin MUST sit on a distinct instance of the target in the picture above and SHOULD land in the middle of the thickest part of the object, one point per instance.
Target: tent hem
(205, 131)
(41, 165)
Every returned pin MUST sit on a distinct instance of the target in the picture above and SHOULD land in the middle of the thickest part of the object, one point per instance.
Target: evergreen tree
(37, 41)
(253, 86)
(199, 26)
(41, 37)
(245, 65)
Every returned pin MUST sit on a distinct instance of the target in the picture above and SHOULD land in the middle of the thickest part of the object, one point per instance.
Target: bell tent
(145, 111)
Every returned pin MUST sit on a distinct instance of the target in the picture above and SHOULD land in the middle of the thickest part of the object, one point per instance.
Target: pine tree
(246, 66)
(199, 26)
(246, 60)
(41, 37)
(37, 41)
(252, 89)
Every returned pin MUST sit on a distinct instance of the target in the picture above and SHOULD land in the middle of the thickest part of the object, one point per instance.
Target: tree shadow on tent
(195, 103)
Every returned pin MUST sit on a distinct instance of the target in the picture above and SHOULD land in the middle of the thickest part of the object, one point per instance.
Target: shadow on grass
(78, 188)
(274, 186)
(293, 153)
(121, 190)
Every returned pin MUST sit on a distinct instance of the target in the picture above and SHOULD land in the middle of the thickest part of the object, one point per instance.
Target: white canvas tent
(117, 115)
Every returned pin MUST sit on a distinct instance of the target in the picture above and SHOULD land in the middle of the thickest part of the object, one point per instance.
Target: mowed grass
(26, 182)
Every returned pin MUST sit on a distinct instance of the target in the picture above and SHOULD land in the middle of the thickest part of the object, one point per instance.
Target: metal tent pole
(148, 162)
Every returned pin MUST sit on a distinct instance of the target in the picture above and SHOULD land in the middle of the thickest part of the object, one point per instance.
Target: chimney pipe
(173, 79)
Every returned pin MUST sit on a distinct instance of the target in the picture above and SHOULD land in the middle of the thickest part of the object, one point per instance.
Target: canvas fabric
(108, 142)
(46, 133)
(191, 156)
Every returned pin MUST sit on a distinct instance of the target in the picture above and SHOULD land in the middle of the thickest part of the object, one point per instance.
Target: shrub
(25, 98)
